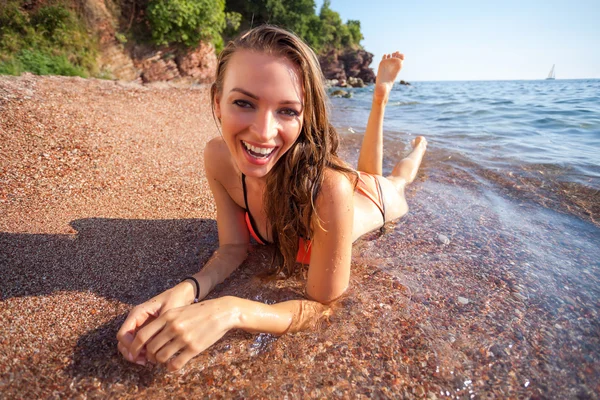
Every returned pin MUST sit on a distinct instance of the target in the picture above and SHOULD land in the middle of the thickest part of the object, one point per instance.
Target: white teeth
(263, 151)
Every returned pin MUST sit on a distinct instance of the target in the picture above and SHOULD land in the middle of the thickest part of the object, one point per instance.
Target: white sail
(551, 75)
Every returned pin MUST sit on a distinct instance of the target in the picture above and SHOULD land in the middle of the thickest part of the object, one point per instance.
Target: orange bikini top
(304, 245)
(367, 185)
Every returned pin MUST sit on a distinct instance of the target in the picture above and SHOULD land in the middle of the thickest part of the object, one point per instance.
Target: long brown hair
(298, 175)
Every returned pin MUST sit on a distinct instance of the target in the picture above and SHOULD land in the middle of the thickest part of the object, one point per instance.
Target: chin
(256, 167)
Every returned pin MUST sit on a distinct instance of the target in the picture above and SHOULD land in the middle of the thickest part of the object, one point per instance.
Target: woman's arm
(233, 249)
(182, 333)
(329, 271)
(191, 330)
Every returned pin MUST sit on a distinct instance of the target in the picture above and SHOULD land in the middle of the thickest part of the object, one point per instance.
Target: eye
(242, 104)
(289, 112)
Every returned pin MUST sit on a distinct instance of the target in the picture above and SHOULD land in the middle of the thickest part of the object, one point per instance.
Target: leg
(406, 170)
(370, 159)
(403, 173)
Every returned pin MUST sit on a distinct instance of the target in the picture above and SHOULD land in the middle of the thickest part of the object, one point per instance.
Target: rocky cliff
(347, 64)
(132, 61)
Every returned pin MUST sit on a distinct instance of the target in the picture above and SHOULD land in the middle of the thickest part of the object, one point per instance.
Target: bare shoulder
(337, 192)
(336, 184)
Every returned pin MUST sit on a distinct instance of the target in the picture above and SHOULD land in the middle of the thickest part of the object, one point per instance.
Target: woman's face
(261, 110)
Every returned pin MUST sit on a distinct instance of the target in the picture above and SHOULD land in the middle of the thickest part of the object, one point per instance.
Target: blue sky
(479, 40)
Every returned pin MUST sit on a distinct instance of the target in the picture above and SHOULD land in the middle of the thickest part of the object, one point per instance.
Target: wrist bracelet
(197, 293)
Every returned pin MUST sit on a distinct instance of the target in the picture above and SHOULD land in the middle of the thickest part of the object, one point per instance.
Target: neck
(260, 182)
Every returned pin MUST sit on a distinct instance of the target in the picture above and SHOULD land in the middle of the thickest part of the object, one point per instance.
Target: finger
(125, 344)
(176, 363)
(126, 339)
(169, 350)
(144, 335)
(136, 318)
(124, 351)
(157, 343)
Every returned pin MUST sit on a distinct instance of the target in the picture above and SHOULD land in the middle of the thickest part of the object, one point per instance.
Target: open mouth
(258, 152)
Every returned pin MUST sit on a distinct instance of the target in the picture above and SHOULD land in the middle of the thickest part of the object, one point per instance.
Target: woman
(276, 143)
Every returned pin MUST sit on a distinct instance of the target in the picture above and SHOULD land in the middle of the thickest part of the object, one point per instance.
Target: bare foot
(389, 67)
(419, 141)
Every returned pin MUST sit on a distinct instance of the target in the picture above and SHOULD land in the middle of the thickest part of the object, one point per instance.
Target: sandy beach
(104, 203)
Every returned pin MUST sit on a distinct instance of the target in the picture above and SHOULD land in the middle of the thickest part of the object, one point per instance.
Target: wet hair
(298, 175)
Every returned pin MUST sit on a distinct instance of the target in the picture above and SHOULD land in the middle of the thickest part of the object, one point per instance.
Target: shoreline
(104, 204)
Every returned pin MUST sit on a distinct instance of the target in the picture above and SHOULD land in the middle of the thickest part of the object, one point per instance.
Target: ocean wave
(403, 103)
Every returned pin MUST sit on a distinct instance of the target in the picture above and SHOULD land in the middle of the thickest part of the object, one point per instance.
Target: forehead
(261, 73)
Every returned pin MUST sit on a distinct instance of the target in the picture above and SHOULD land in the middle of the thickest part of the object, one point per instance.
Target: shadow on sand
(130, 261)
(113, 258)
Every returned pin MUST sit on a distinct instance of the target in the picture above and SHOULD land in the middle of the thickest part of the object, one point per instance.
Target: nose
(265, 125)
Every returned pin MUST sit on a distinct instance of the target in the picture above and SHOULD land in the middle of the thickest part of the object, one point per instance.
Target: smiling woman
(276, 141)
(260, 109)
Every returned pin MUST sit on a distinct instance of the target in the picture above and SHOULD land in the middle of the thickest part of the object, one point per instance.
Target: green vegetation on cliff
(47, 39)
(185, 22)
(53, 36)
(322, 32)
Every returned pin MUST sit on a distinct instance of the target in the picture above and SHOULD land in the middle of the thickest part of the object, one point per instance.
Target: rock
(196, 65)
(341, 93)
(199, 63)
(345, 64)
(404, 83)
(331, 83)
(463, 300)
(356, 64)
(129, 63)
(497, 350)
(356, 82)
(158, 69)
(519, 296)
(113, 60)
(442, 239)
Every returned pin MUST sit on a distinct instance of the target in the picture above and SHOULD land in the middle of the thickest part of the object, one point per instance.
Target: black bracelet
(197, 294)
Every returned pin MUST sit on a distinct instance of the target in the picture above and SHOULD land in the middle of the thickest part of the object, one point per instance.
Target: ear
(217, 107)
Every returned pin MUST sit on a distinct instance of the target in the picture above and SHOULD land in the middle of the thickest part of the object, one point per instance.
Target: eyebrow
(255, 97)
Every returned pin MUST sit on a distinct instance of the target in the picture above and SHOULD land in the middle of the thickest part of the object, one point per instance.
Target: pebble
(442, 239)
(463, 300)
(72, 325)
(519, 296)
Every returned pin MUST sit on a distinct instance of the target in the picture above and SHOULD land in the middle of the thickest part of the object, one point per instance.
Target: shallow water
(509, 306)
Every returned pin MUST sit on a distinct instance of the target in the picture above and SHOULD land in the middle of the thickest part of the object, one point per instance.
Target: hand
(187, 330)
(147, 312)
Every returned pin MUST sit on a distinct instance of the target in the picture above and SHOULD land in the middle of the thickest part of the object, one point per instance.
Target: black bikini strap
(252, 222)
(382, 209)
(245, 196)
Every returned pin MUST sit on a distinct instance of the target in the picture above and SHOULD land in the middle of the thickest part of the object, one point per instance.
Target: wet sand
(103, 204)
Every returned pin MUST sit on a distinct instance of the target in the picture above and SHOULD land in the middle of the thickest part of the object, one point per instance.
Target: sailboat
(551, 74)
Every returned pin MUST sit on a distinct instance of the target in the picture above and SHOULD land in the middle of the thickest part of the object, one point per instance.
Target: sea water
(512, 178)
(551, 126)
